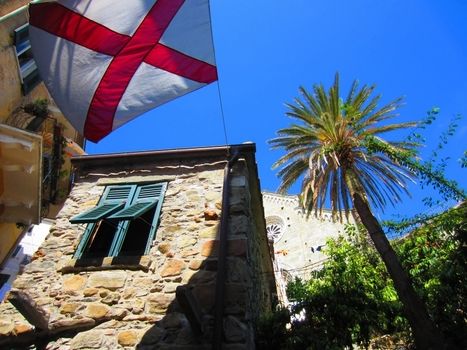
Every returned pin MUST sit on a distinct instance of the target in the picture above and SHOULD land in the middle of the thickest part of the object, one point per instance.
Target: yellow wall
(9, 234)
(7, 6)
(11, 97)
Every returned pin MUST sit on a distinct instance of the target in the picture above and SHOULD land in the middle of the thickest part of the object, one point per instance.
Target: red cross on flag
(105, 62)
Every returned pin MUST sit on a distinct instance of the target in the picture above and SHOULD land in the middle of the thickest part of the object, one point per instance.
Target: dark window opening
(100, 240)
(17, 250)
(137, 235)
(3, 279)
(124, 222)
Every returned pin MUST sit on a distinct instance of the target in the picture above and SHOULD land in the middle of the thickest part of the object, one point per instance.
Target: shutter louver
(97, 213)
(113, 199)
(146, 198)
(134, 211)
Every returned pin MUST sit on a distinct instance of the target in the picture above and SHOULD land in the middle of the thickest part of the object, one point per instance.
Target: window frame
(28, 71)
(123, 224)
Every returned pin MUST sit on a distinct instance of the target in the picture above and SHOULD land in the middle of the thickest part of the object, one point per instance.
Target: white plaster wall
(298, 249)
(28, 245)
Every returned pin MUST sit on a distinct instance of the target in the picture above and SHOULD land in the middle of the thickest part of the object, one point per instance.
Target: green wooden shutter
(160, 191)
(134, 211)
(114, 198)
(147, 198)
(113, 195)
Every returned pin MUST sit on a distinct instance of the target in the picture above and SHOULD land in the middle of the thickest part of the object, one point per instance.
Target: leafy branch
(426, 172)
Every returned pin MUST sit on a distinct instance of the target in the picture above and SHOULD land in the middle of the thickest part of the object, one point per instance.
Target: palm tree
(330, 152)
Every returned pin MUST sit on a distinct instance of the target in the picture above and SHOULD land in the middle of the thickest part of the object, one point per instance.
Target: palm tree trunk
(426, 335)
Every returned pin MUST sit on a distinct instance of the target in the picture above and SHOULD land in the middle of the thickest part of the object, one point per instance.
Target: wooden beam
(32, 312)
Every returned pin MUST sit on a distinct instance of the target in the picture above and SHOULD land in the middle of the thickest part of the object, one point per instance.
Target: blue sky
(266, 49)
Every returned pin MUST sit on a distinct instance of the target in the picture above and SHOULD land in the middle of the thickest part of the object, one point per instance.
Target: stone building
(152, 250)
(36, 142)
(298, 238)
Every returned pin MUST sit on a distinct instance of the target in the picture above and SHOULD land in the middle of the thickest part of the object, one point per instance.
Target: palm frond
(326, 149)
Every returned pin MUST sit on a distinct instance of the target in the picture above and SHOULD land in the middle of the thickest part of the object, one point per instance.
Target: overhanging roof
(85, 162)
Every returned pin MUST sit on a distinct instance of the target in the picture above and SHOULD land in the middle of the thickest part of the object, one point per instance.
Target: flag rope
(222, 111)
(221, 104)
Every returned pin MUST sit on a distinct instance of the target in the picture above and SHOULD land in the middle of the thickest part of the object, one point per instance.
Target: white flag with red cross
(107, 61)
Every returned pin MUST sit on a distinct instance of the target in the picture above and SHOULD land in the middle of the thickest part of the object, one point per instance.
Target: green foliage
(352, 300)
(426, 171)
(435, 254)
(274, 332)
(39, 108)
(325, 148)
(463, 160)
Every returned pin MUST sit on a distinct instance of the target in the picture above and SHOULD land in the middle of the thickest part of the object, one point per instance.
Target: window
(274, 228)
(16, 251)
(28, 71)
(123, 223)
(3, 279)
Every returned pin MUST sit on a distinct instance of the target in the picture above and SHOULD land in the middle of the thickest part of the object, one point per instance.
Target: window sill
(107, 263)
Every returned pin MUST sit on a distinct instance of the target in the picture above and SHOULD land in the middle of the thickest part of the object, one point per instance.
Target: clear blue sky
(266, 49)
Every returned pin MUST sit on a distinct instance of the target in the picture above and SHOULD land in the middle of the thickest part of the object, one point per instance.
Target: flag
(105, 62)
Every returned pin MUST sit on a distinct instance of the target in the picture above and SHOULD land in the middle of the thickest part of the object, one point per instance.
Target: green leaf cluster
(352, 301)
(435, 254)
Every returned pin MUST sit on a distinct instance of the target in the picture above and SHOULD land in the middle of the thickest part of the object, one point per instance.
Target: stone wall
(128, 305)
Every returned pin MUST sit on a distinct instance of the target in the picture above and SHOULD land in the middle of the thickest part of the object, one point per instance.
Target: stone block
(22, 328)
(210, 215)
(236, 298)
(188, 252)
(72, 323)
(209, 248)
(205, 294)
(238, 181)
(6, 327)
(92, 339)
(237, 270)
(74, 283)
(143, 283)
(234, 330)
(170, 287)
(107, 279)
(172, 267)
(239, 225)
(209, 232)
(213, 196)
(39, 266)
(171, 229)
(163, 247)
(96, 311)
(69, 308)
(128, 337)
(157, 303)
(129, 293)
(195, 264)
(111, 299)
(88, 292)
(187, 275)
(236, 247)
(186, 242)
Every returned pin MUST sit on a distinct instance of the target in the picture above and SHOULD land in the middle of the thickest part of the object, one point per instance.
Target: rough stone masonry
(131, 303)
